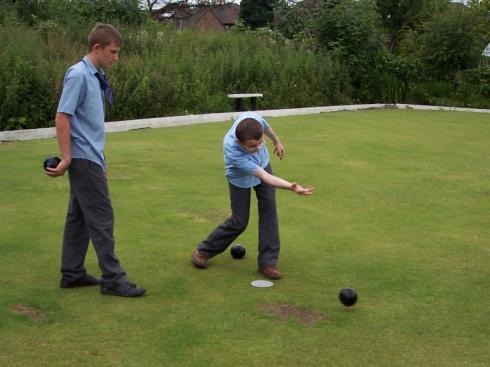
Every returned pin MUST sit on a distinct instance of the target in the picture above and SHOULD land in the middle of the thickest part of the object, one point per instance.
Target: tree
(293, 19)
(72, 11)
(349, 30)
(257, 13)
(453, 40)
(398, 16)
(151, 3)
(125, 11)
(482, 5)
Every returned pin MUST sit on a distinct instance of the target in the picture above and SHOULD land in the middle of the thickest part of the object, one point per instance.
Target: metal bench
(240, 97)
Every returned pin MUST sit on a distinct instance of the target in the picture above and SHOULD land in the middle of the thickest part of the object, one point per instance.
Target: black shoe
(87, 280)
(125, 289)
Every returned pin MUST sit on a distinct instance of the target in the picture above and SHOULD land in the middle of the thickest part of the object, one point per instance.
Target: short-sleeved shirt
(240, 165)
(83, 100)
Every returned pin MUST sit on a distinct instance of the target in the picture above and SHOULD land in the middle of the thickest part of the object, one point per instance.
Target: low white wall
(401, 106)
(114, 126)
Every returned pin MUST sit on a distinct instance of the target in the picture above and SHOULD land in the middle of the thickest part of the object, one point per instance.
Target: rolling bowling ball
(348, 296)
(51, 162)
(237, 251)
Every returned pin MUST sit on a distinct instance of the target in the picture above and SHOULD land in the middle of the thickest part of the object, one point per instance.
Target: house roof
(192, 19)
(188, 16)
(227, 13)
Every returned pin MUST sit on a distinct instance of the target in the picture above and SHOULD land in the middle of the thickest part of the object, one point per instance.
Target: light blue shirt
(83, 100)
(240, 165)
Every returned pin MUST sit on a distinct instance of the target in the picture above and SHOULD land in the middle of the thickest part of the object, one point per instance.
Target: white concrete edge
(117, 126)
(401, 106)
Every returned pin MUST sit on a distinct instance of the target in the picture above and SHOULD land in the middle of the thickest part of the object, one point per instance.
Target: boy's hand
(59, 170)
(300, 190)
(279, 150)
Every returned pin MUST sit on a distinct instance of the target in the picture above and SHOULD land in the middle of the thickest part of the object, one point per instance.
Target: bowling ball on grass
(237, 251)
(348, 296)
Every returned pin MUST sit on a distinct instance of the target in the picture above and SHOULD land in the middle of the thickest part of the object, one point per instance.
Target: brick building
(212, 18)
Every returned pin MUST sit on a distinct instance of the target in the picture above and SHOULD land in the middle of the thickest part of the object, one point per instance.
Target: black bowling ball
(237, 251)
(51, 162)
(348, 296)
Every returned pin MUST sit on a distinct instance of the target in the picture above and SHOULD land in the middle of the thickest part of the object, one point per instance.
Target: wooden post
(239, 100)
(253, 103)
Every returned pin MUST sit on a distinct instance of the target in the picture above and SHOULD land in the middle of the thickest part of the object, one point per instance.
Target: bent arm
(272, 135)
(278, 147)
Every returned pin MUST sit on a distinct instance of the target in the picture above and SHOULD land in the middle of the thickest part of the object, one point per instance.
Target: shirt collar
(93, 70)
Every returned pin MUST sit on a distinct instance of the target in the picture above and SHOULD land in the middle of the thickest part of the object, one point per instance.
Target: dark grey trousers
(89, 217)
(269, 244)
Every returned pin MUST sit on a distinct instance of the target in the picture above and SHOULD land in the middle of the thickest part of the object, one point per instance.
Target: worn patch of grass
(401, 213)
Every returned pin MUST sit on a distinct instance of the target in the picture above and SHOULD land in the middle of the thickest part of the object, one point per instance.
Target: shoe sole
(77, 286)
(271, 277)
(198, 263)
(200, 266)
(66, 286)
(108, 292)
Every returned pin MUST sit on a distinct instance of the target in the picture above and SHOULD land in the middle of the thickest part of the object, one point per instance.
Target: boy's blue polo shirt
(82, 99)
(240, 164)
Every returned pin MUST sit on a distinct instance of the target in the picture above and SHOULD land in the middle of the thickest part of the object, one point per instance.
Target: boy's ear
(96, 47)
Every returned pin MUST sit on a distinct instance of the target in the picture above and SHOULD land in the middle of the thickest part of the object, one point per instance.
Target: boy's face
(252, 145)
(105, 56)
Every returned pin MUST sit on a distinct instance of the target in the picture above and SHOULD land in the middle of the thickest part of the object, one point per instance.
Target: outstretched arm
(281, 183)
(278, 147)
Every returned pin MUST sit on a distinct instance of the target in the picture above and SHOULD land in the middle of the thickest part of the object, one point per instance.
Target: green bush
(339, 58)
(26, 81)
(163, 72)
(470, 88)
(473, 90)
(452, 41)
(349, 30)
(434, 93)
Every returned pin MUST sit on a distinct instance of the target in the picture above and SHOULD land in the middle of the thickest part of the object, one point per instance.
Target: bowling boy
(247, 167)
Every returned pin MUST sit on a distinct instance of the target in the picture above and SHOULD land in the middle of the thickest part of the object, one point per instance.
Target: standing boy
(247, 166)
(80, 131)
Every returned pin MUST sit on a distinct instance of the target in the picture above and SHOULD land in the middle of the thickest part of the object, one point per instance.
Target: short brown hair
(248, 129)
(104, 34)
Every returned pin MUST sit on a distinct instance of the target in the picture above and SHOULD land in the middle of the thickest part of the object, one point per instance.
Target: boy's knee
(267, 204)
(239, 224)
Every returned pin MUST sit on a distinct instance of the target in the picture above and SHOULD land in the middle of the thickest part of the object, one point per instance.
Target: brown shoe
(199, 260)
(270, 271)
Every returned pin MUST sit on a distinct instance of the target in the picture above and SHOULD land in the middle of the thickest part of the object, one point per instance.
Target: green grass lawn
(401, 212)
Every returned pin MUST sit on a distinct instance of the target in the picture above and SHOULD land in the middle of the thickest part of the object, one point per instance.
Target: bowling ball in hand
(51, 162)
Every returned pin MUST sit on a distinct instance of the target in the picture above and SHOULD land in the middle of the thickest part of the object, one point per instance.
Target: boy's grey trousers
(90, 217)
(230, 229)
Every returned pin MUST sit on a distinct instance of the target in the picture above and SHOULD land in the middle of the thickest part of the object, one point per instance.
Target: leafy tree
(398, 16)
(293, 19)
(151, 3)
(125, 11)
(32, 12)
(29, 10)
(481, 5)
(348, 29)
(453, 40)
(7, 12)
(257, 13)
